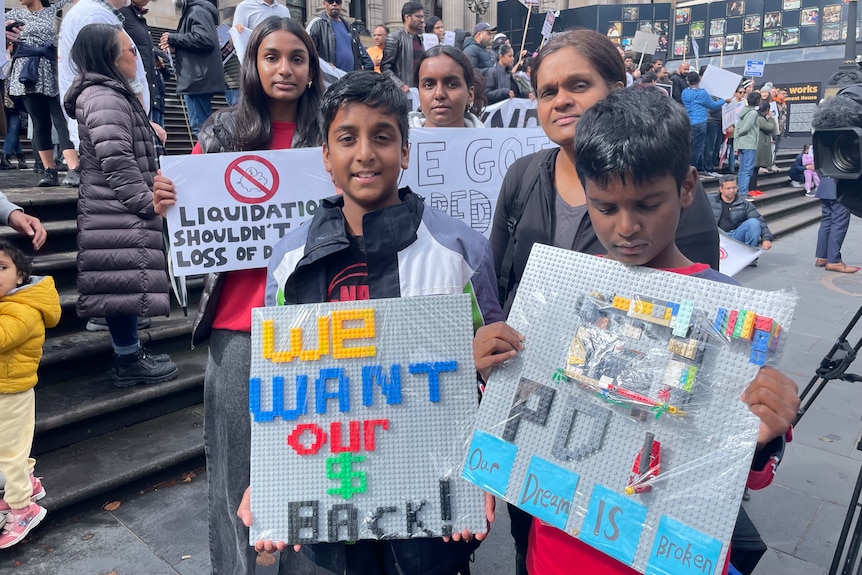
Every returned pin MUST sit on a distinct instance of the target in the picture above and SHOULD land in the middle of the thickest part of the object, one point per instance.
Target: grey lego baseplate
(360, 412)
(621, 362)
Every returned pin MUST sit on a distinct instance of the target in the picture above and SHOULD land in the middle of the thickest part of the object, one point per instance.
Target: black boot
(5, 164)
(49, 179)
(22, 162)
(141, 367)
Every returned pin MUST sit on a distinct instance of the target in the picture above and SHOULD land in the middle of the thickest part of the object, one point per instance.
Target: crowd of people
(577, 196)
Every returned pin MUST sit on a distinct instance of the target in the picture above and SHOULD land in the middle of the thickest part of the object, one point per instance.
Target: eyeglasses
(333, 2)
(134, 50)
(740, 91)
(418, 16)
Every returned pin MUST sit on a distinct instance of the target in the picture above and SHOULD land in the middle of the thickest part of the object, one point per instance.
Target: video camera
(837, 126)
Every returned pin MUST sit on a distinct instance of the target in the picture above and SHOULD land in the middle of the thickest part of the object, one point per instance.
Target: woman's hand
(244, 514)
(164, 194)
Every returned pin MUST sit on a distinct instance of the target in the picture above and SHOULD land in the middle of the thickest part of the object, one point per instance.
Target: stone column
(374, 14)
(392, 14)
(453, 15)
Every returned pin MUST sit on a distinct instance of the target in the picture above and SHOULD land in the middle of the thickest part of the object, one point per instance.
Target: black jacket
(740, 210)
(397, 63)
(498, 83)
(478, 56)
(320, 30)
(797, 170)
(136, 27)
(197, 52)
(696, 234)
(679, 84)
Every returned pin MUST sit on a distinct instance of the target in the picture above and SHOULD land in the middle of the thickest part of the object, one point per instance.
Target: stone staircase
(90, 436)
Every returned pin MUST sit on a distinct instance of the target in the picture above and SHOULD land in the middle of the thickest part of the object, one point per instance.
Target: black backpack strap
(516, 210)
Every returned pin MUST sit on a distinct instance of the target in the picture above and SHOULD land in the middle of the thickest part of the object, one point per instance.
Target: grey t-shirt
(568, 220)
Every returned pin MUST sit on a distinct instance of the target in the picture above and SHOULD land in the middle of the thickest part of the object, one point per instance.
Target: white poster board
(720, 83)
(735, 255)
(645, 42)
(240, 41)
(548, 25)
(430, 40)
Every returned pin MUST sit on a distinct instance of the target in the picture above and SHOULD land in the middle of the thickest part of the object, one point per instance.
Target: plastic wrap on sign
(360, 411)
(620, 423)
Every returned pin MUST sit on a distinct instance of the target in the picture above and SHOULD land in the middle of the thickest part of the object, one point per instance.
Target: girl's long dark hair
(96, 50)
(253, 121)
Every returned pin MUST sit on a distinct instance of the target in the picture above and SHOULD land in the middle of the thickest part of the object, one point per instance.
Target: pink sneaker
(18, 525)
(38, 493)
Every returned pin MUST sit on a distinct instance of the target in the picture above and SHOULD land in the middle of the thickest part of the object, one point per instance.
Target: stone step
(69, 319)
(107, 462)
(89, 406)
(799, 219)
(82, 353)
(785, 205)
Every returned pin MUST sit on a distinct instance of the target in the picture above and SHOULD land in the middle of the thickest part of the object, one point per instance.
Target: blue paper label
(489, 462)
(613, 524)
(680, 550)
(548, 492)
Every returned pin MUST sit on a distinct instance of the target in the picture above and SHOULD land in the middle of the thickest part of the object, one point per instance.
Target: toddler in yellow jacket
(28, 304)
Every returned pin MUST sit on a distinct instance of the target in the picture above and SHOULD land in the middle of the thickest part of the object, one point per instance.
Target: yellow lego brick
(621, 303)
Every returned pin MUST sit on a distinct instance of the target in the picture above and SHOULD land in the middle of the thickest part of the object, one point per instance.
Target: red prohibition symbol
(251, 179)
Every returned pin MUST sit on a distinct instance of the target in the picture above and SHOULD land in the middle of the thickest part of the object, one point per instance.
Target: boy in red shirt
(636, 187)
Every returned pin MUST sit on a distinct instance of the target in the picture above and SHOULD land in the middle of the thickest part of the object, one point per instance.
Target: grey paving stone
(496, 555)
(778, 563)
(158, 516)
(829, 431)
(818, 544)
(95, 544)
(818, 473)
(782, 515)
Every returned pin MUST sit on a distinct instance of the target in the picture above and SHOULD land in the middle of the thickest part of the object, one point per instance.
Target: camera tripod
(834, 366)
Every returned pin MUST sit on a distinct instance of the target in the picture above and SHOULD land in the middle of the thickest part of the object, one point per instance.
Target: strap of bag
(516, 210)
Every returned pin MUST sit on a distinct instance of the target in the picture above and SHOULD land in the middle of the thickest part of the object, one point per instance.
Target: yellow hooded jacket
(25, 312)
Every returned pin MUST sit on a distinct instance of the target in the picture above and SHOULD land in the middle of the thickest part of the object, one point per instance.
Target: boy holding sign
(376, 241)
(636, 187)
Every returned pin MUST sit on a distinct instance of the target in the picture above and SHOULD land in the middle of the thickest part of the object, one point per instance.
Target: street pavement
(161, 529)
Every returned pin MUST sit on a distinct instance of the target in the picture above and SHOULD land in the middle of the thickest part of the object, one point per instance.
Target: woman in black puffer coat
(121, 258)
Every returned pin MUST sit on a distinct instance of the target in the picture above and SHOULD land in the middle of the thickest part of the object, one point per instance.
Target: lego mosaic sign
(232, 208)
(360, 411)
(621, 422)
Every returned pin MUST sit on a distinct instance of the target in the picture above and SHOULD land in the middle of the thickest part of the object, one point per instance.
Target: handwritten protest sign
(511, 113)
(621, 423)
(359, 414)
(232, 208)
